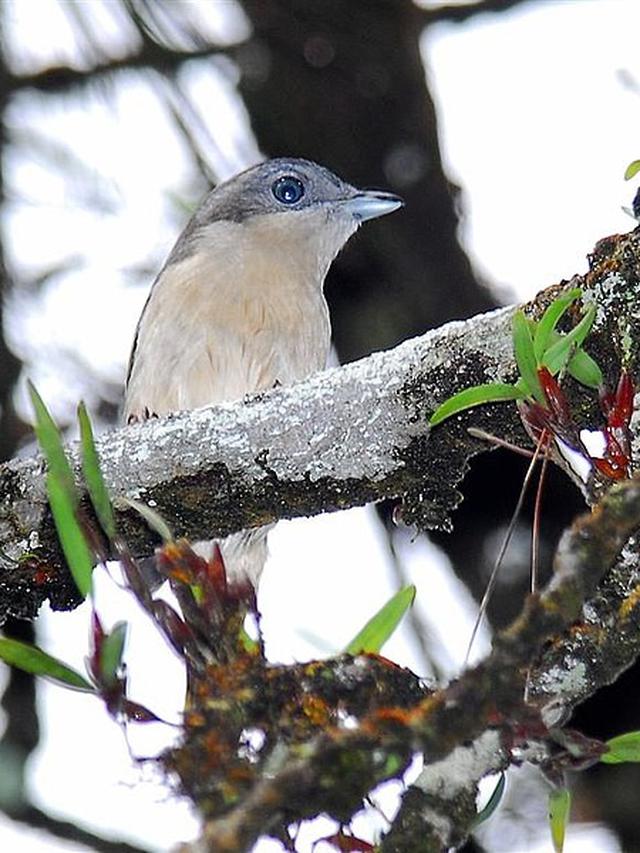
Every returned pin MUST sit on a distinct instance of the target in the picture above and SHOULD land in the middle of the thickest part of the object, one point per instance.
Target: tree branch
(150, 54)
(333, 766)
(34, 818)
(584, 555)
(357, 434)
(343, 438)
(457, 13)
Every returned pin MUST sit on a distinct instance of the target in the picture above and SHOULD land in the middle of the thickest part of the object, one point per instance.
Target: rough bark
(335, 765)
(345, 437)
(360, 433)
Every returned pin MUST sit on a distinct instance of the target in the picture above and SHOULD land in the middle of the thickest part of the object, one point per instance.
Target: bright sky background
(536, 126)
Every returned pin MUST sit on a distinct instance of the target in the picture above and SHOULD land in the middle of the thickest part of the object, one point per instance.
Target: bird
(239, 308)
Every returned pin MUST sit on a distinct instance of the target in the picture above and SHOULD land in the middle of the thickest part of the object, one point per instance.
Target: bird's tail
(244, 553)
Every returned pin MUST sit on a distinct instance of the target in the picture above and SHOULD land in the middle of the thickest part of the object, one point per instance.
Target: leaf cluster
(537, 344)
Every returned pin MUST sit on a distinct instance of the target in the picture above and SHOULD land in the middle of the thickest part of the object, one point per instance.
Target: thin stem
(505, 544)
(535, 537)
(535, 533)
(499, 442)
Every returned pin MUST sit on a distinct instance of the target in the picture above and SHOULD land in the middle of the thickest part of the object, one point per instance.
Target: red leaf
(623, 408)
(348, 843)
(554, 396)
(138, 713)
(97, 639)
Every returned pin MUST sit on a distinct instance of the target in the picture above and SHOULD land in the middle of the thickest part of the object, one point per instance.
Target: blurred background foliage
(116, 116)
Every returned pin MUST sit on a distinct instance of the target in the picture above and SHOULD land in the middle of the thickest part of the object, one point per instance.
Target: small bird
(239, 306)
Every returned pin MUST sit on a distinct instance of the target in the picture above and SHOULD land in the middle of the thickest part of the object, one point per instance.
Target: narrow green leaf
(623, 748)
(63, 496)
(492, 803)
(249, 645)
(32, 659)
(549, 320)
(583, 368)
(558, 354)
(71, 535)
(525, 355)
(393, 765)
(632, 170)
(112, 651)
(50, 443)
(93, 475)
(381, 626)
(475, 396)
(153, 518)
(559, 808)
(197, 592)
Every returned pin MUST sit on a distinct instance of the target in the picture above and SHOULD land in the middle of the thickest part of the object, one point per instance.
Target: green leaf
(393, 764)
(632, 170)
(32, 659)
(63, 496)
(559, 807)
(583, 368)
(623, 748)
(93, 475)
(475, 396)
(155, 521)
(71, 535)
(50, 443)
(525, 355)
(522, 388)
(112, 651)
(549, 320)
(249, 645)
(381, 626)
(556, 357)
(492, 803)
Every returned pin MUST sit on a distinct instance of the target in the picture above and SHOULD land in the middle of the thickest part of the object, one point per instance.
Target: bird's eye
(288, 189)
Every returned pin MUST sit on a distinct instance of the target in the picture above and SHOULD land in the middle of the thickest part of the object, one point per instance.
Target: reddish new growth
(110, 680)
(213, 607)
(345, 843)
(555, 421)
(243, 712)
(618, 409)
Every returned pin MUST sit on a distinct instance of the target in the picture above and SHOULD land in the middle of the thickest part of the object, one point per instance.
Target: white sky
(536, 127)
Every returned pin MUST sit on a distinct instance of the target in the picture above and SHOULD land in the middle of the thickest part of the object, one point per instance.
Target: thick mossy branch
(343, 438)
(317, 765)
(353, 435)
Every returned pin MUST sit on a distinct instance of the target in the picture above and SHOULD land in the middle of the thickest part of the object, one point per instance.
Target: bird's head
(290, 204)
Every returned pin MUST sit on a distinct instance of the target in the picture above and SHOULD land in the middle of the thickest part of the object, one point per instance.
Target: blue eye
(288, 189)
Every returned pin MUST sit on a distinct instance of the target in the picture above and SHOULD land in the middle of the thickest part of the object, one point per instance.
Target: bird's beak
(369, 204)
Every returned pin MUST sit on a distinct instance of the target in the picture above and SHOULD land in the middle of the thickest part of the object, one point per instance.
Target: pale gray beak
(369, 204)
